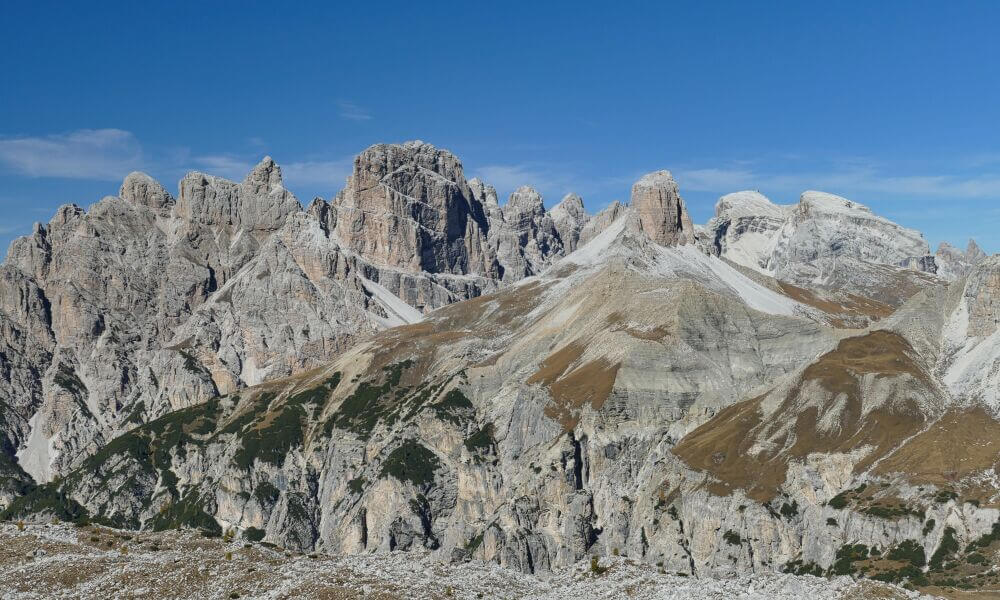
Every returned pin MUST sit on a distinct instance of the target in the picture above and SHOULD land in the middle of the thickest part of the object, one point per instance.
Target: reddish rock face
(660, 210)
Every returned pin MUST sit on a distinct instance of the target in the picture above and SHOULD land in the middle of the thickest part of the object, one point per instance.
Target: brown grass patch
(721, 446)
(850, 308)
(960, 444)
(590, 383)
(617, 320)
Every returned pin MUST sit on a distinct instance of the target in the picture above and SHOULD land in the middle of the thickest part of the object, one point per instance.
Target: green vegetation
(986, 539)
(892, 511)
(481, 442)
(67, 379)
(928, 527)
(361, 411)
(908, 551)
(411, 462)
(454, 407)
(797, 567)
(357, 485)
(946, 550)
(474, 544)
(48, 499)
(271, 443)
(831, 522)
(596, 568)
(943, 496)
(266, 494)
(188, 511)
(847, 555)
(732, 538)
(789, 510)
(839, 501)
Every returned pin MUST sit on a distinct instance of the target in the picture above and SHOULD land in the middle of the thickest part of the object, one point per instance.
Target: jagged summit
(143, 189)
(411, 366)
(660, 211)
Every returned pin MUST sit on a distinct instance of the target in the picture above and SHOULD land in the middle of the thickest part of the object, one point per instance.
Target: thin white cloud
(317, 172)
(552, 181)
(224, 165)
(852, 180)
(353, 112)
(101, 154)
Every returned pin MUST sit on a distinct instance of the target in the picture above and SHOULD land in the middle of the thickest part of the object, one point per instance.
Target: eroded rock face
(409, 206)
(145, 304)
(569, 218)
(601, 221)
(952, 263)
(823, 242)
(660, 211)
(745, 228)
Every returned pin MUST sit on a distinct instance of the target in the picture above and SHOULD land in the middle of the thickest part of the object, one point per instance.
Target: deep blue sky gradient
(893, 104)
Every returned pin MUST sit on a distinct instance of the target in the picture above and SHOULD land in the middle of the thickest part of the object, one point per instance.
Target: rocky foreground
(60, 561)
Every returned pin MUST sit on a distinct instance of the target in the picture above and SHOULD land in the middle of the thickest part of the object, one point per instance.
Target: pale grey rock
(953, 263)
(409, 206)
(745, 228)
(569, 218)
(601, 221)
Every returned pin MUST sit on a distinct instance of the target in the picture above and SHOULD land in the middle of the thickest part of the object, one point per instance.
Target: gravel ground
(61, 561)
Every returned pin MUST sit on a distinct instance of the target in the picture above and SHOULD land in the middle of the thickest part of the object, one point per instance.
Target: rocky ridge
(713, 412)
(144, 303)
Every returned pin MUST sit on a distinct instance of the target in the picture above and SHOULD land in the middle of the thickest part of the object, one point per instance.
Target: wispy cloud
(852, 179)
(353, 112)
(552, 180)
(102, 154)
(317, 172)
(224, 165)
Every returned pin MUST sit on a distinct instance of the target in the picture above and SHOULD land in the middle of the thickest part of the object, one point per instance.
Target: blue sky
(893, 104)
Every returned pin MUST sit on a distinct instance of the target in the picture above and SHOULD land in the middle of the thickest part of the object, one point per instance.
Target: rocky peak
(525, 202)
(601, 221)
(973, 251)
(142, 189)
(484, 193)
(953, 263)
(409, 206)
(264, 178)
(569, 217)
(660, 211)
(259, 204)
(745, 228)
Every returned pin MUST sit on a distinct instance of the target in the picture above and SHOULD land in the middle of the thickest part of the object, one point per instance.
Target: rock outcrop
(953, 263)
(409, 207)
(788, 389)
(824, 242)
(659, 211)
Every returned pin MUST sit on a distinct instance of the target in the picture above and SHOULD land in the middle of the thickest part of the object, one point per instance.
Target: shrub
(411, 462)
(928, 527)
(909, 551)
(947, 548)
(595, 566)
(839, 501)
(732, 538)
(831, 522)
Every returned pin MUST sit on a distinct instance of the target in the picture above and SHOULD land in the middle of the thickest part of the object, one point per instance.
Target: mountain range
(410, 365)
